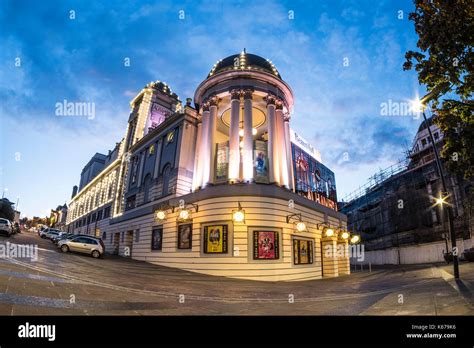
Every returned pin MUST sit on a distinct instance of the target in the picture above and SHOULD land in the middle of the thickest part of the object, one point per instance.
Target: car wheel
(64, 248)
(95, 254)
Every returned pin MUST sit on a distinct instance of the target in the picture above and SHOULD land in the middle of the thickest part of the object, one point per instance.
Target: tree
(445, 39)
(6, 210)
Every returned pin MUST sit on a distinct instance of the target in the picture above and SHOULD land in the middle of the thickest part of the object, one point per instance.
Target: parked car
(469, 254)
(49, 233)
(82, 244)
(61, 236)
(6, 227)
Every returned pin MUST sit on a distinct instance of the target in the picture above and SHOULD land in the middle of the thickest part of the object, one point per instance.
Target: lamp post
(449, 213)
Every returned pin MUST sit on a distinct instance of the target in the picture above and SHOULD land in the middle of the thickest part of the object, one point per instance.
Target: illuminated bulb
(238, 216)
(241, 144)
(345, 235)
(254, 131)
(300, 226)
(241, 132)
(355, 239)
(440, 200)
(184, 214)
(329, 232)
(160, 215)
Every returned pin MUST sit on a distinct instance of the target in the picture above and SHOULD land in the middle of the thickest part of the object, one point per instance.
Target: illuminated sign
(305, 145)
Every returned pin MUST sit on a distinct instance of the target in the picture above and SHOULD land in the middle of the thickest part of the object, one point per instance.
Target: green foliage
(445, 40)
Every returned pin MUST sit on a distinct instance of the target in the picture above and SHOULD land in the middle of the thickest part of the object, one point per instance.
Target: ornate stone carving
(270, 99)
(214, 100)
(248, 93)
(235, 93)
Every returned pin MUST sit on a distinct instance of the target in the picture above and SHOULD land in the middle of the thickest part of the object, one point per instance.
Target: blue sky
(337, 106)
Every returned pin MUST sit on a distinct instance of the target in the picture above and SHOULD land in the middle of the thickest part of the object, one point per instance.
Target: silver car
(87, 245)
(6, 227)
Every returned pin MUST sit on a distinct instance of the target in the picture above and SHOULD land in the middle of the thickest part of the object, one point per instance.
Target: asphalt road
(74, 284)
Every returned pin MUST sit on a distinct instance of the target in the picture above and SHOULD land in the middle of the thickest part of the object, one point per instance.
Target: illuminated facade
(214, 186)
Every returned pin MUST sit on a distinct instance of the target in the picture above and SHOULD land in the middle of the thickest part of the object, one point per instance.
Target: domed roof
(244, 61)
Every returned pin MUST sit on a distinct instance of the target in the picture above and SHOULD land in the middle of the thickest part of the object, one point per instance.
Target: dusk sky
(342, 59)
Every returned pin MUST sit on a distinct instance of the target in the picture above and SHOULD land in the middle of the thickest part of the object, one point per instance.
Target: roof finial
(245, 50)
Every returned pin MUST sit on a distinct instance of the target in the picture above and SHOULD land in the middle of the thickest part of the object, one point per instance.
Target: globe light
(238, 216)
(254, 131)
(329, 232)
(184, 214)
(300, 226)
(345, 235)
(241, 132)
(160, 215)
(355, 239)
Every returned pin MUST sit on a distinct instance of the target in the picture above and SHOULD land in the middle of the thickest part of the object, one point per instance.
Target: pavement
(74, 284)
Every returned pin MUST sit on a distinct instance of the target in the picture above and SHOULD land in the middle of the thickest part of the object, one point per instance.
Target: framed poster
(157, 238)
(185, 236)
(266, 245)
(222, 159)
(261, 161)
(302, 251)
(215, 239)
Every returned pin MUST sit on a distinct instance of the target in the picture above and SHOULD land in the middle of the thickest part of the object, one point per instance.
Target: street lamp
(421, 106)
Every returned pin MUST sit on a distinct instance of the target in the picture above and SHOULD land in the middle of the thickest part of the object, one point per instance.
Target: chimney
(74, 191)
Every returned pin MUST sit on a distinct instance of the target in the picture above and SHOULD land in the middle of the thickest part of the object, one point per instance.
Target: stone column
(248, 137)
(197, 173)
(281, 143)
(204, 161)
(209, 170)
(329, 256)
(289, 157)
(140, 168)
(234, 150)
(273, 163)
(343, 257)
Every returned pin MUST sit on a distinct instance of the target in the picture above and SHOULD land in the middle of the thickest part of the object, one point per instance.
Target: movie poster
(261, 161)
(266, 245)
(215, 239)
(222, 159)
(157, 238)
(185, 236)
(302, 251)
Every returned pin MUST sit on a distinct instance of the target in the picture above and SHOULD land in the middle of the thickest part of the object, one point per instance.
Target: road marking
(221, 299)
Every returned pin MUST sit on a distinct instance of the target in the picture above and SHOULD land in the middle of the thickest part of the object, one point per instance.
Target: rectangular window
(266, 245)
(93, 217)
(106, 212)
(302, 251)
(157, 238)
(99, 215)
(185, 236)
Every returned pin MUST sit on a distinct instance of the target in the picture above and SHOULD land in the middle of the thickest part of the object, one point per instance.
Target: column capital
(214, 100)
(279, 104)
(248, 92)
(205, 106)
(236, 93)
(286, 117)
(270, 99)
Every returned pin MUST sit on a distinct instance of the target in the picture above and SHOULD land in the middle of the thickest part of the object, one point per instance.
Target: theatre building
(220, 185)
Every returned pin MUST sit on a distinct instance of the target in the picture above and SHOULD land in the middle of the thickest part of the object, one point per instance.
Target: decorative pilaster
(330, 260)
(289, 157)
(210, 169)
(343, 257)
(281, 145)
(234, 150)
(273, 163)
(248, 137)
(205, 150)
(197, 174)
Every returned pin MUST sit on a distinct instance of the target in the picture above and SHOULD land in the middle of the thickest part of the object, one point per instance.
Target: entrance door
(116, 243)
(128, 244)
